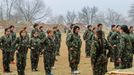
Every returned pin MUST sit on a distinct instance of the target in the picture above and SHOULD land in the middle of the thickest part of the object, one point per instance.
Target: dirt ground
(62, 66)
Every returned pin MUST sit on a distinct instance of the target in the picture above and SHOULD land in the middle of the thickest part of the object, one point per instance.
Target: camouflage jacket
(6, 43)
(42, 35)
(21, 42)
(99, 54)
(109, 35)
(74, 41)
(115, 38)
(35, 43)
(34, 30)
(125, 46)
(87, 36)
(132, 39)
(49, 44)
(57, 37)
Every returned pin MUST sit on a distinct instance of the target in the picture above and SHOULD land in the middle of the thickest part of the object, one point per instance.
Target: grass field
(62, 67)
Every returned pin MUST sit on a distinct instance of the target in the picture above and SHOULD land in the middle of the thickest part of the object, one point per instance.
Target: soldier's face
(119, 28)
(114, 28)
(131, 30)
(41, 28)
(90, 28)
(8, 32)
(50, 34)
(12, 29)
(23, 34)
(77, 30)
(35, 34)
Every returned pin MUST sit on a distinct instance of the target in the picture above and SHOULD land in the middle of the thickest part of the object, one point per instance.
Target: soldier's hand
(119, 60)
(71, 48)
(32, 47)
(114, 46)
(16, 51)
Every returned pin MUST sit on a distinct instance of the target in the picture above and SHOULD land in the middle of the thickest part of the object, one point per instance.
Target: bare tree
(114, 17)
(70, 17)
(6, 9)
(32, 10)
(56, 20)
(88, 15)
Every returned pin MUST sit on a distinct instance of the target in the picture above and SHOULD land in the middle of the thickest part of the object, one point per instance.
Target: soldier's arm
(121, 46)
(108, 47)
(85, 35)
(93, 52)
(1, 41)
(69, 40)
(111, 39)
(109, 35)
(15, 43)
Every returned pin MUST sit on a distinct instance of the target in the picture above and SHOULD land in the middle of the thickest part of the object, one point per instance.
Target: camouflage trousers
(21, 63)
(48, 62)
(74, 59)
(58, 48)
(99, 68)
(126, 62)
(87, 49)
(6, 60)
(34, 58)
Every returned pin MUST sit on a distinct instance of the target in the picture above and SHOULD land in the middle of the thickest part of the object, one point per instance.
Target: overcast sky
(62, 6)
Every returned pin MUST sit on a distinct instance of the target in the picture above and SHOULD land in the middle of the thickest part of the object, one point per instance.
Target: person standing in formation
(35, 46)
(126, 50)
(114, 40)
(49, 52)
(42, 36)
(21, 45)
(74, 44)
(113, 29)
(87, 36)
(6, 47)
(99, 54)
(13, 35)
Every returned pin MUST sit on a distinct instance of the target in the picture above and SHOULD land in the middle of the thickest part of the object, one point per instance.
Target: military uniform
(13, 35)
(57, 35)
(132, 40)
(49, 54)
(111, 53)
(87, 36)
(21, 44)
(6, 47)
(35, 44)
(74, 44)
(99, 57)
(34, 30)
(42, 36)
(126, 51)
(115, 41)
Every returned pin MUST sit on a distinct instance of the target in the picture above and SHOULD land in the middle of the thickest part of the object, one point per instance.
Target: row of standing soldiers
(119, 47)
(40, 42)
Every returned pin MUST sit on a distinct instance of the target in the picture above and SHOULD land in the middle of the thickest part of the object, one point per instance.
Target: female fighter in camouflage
(126, 50)
(21, 44)
(6, 47)
(49, 52)
(74, 44)
(35, 46)
(99, 55)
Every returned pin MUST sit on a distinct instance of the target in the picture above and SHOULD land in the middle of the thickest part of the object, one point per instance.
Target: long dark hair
(22, 32)
(125, 29)
(99, 34)
(74, 29)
